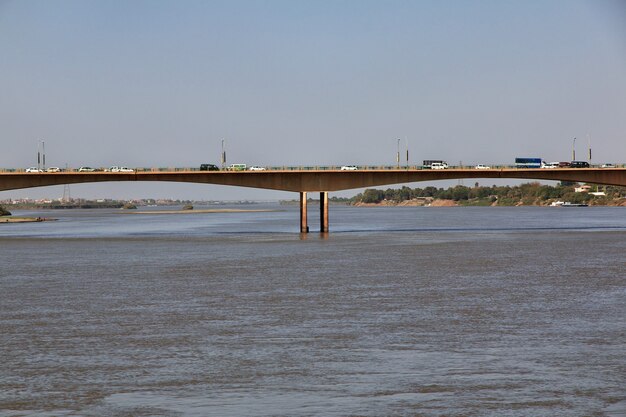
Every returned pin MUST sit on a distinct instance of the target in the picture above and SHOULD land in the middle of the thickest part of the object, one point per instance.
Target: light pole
(41, 151)
(398, 155)
(407, 153)
(223, 156)
(574, 150)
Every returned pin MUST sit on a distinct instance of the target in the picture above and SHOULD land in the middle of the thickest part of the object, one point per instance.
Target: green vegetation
(129, 206)
(4, 212)
(188, 207)
(525, 194)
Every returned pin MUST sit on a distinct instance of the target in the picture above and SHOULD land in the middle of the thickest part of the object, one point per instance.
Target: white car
(550, 165)
(438, 165)
(53, 169)
(33, 169)
(482, 166)
(607, 166)
(119, 169)
(86, 169)
(255, 168)
(349, 168)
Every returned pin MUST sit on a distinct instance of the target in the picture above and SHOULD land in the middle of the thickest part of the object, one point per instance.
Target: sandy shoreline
(6, 219)
(198, 211)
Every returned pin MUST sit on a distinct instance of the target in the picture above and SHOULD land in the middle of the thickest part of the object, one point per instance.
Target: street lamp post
(574, 150)
(398, 155)
(223, 156)
(41, 151)
(407, 153)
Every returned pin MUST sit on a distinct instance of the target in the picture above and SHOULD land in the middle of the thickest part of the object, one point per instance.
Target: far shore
(429, 202)
(133, 211)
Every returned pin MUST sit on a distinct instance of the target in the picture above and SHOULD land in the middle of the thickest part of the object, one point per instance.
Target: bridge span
(305, 181)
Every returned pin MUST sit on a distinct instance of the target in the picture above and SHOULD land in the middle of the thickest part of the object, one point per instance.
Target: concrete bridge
(313, 180)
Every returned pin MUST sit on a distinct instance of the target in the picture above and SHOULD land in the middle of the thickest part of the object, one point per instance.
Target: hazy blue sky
(160, 83)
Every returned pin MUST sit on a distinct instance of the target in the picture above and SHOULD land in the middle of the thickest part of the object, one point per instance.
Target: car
(349, 168)
(255, 168)
(33, 169)
(482, 166)
(564, 164)
(438, 165)
(115, 168)
(607, 166)
(208, 167)
(86, 169)
(550, 165)
(53, 169)
(579, 164)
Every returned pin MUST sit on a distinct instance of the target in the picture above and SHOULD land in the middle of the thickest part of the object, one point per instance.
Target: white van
(237, 167)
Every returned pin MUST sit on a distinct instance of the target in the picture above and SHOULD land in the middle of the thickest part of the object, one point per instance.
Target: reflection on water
(398, 311)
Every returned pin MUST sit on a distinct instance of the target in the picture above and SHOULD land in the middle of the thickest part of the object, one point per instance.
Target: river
(399, 311)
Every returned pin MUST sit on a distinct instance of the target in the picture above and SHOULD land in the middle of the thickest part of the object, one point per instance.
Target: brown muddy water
(397, 312)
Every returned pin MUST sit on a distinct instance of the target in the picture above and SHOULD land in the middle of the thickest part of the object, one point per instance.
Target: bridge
(303, 181)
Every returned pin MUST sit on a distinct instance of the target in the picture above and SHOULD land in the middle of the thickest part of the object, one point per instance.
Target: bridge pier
(324, 212)
(304, 226)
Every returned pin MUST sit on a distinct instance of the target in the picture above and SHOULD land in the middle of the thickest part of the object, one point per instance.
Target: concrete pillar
(324, 212)
(304, 226)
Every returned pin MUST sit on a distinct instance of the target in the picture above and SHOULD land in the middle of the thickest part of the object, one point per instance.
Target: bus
(528, 162)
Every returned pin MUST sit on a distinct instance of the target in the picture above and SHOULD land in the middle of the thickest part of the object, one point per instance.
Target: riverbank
(6, 219)
(426, 202)
(198, 211)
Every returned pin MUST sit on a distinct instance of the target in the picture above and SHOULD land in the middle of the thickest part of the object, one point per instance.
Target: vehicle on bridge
(208, 167)
(119, 169)
(528, 162)
(550, 165)
(237, 167)
(86, 169)
(434, 164)
(482, 166)
(349, 168)
(34, 169)
(579, 164)
(564, 164)
(255, 168)
(608, 166)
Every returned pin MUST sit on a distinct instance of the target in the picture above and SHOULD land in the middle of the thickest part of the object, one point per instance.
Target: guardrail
(292, 168)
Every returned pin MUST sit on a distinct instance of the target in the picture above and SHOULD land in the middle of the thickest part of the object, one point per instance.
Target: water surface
(398, 311)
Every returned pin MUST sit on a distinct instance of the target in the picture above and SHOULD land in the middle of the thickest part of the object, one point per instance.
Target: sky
(162, 83)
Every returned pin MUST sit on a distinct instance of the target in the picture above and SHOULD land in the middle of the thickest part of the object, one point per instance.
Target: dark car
(209, 167)
(564, 164)
(579, 164)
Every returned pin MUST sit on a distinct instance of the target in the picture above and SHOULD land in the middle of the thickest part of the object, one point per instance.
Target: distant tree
(372, 196)
(4, 212)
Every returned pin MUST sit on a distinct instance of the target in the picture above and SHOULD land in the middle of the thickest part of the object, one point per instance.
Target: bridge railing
(291, 168)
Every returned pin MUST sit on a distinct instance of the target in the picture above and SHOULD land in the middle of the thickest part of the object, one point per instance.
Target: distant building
(583, 189)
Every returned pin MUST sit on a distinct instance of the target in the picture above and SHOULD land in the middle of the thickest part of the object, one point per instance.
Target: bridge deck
(313, 180)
